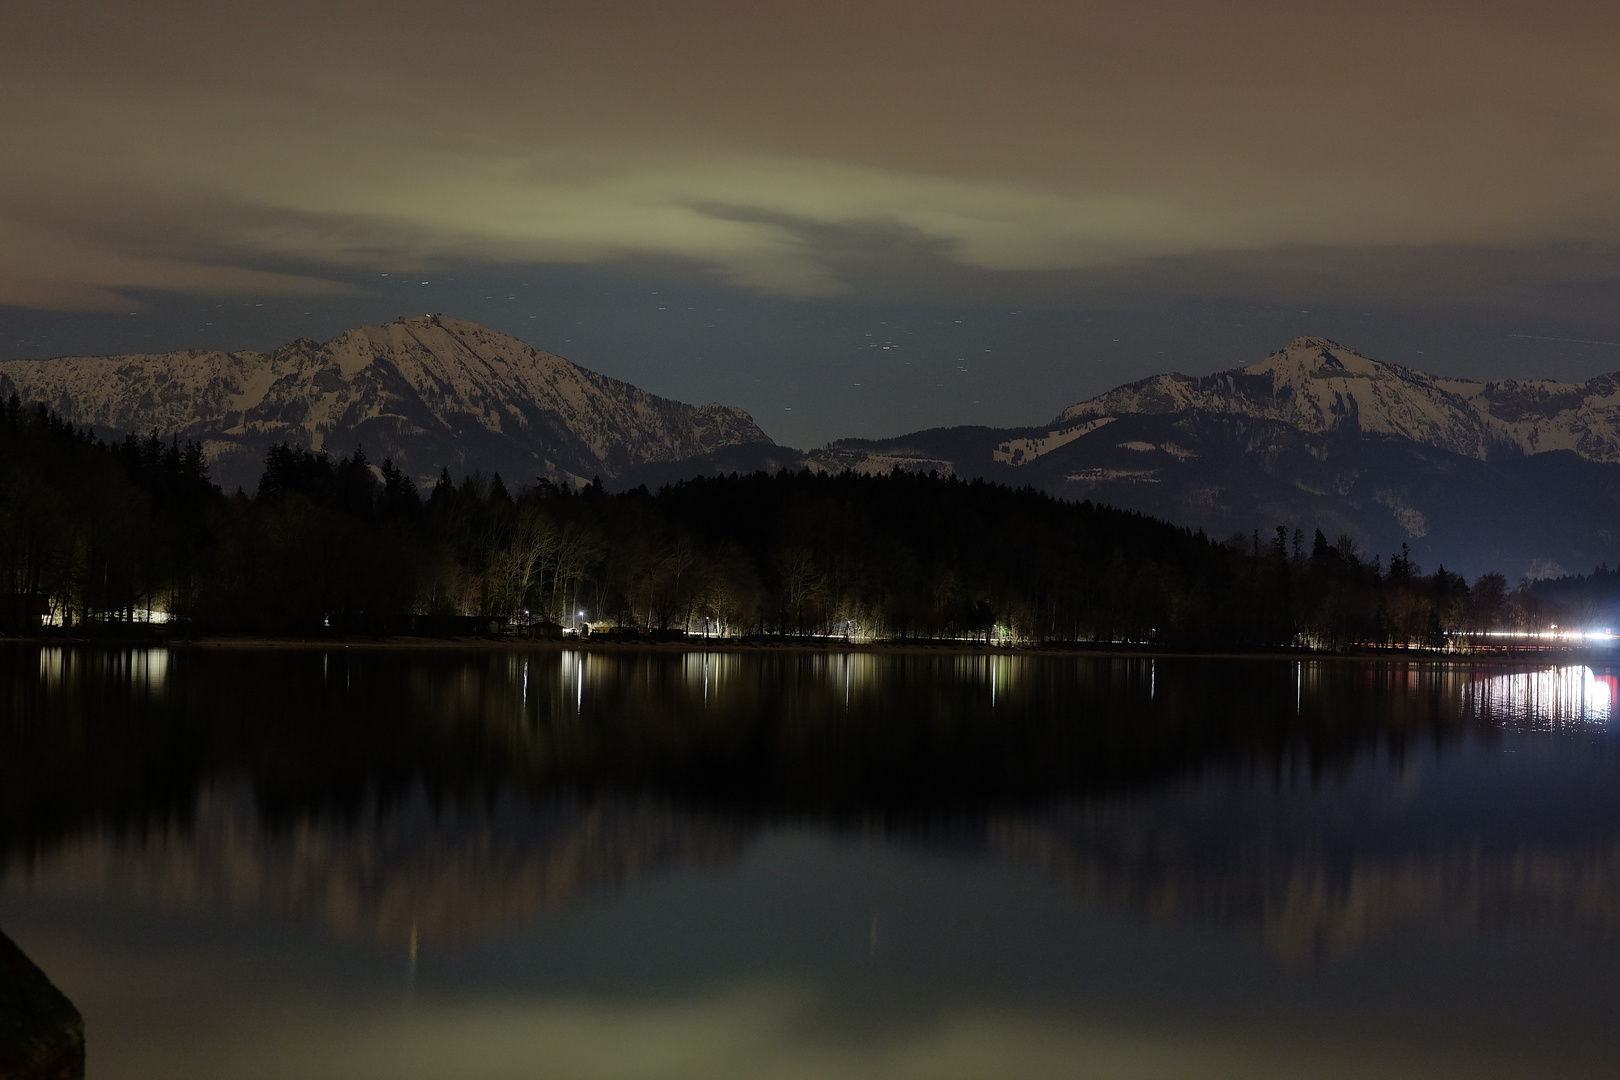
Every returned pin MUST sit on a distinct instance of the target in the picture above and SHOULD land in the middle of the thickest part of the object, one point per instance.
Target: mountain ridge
(1522, 475)
(430, 392)
(1319, 385)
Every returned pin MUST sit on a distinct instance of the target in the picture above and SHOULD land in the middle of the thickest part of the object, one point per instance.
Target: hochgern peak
(429, 392)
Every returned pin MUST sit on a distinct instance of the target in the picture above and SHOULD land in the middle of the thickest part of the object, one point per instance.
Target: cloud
(1013, 137)
(748, 216)
(50, 269)
(751, 218)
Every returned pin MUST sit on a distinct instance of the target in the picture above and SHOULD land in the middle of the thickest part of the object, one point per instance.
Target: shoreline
(407, 643)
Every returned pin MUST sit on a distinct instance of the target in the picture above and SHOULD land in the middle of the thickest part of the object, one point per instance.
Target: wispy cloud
(188, 150)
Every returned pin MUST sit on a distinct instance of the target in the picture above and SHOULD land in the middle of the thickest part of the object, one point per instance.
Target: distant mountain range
(1522, 476)
(429, 392)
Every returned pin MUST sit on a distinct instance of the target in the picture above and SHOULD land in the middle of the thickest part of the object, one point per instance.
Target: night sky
(847, 218)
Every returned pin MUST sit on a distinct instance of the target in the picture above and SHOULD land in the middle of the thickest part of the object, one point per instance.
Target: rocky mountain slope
(1518, 476)
(429, 392)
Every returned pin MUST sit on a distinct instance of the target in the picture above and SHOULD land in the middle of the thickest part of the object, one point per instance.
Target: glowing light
(1554, 635)
(1550, 698)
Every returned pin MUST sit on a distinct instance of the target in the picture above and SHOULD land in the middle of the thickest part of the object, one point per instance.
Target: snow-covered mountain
(1318, 386)
(1522, 476)
(429, 392)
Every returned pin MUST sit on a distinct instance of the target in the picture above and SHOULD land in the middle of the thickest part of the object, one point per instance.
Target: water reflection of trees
(1309, 887)
(409, 871)
(384, 791)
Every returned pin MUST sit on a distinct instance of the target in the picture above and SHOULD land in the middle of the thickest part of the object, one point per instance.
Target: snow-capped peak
(430, 391)
(1318, 385)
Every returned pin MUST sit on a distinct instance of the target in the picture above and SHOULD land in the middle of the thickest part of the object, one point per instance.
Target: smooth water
(368, 864)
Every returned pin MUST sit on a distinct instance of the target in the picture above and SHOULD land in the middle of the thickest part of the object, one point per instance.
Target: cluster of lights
(1553, 633)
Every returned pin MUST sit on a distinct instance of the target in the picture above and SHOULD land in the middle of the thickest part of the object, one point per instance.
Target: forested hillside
(96, 535)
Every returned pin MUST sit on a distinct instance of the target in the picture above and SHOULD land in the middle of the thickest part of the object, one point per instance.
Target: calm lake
(353, 863)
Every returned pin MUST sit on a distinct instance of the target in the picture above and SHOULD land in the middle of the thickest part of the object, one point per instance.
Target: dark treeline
(92, 533)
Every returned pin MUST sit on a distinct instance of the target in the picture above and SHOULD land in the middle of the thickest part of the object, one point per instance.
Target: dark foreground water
(361, 864)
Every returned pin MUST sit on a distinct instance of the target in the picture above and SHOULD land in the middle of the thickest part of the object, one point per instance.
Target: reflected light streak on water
(147, 669)
(996, 671)
(1552, 697)
(1549, 699)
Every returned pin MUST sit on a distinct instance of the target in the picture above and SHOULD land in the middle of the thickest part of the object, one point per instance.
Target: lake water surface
(353, 863)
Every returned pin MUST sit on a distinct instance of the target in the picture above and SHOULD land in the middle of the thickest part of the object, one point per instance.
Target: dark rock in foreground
(41, 1033)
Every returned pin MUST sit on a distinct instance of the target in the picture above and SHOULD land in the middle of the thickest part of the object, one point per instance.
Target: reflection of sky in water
(1547, 699)
(1355, 879)
(815, 957)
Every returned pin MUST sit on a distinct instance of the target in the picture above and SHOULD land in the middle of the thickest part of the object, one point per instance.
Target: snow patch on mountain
(1018, 451)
